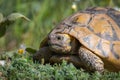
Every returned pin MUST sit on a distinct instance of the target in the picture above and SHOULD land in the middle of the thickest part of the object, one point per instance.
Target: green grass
(44, 15)
(22, 68)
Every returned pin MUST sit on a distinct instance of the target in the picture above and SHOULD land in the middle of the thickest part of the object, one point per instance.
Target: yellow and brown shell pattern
(98, 29)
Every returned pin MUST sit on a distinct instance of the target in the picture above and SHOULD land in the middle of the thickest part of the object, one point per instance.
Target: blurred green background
(44, 15)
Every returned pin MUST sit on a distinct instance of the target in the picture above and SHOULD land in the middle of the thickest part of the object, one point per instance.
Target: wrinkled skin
(59, 47)
(91, 36)
(62, 43)
(65, 47)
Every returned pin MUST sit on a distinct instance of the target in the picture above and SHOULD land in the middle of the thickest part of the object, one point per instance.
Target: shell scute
(83, 18)
(97, 29)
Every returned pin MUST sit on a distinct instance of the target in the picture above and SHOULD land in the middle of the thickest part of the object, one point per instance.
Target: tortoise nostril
(51, 37)
(55, 37)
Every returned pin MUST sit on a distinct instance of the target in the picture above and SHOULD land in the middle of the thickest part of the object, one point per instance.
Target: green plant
(44, 15)
(22, 68)
(6, 21)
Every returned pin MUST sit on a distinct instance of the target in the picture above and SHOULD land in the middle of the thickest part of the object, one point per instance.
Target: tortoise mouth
(57, 48)
(60, 43)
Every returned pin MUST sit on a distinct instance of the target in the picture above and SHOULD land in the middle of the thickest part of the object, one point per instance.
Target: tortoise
(89, 39)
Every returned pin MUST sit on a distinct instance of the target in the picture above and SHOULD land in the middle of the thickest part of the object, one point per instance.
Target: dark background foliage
(44, 15)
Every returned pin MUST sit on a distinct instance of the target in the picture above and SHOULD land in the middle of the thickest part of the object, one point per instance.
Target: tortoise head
(61, 43)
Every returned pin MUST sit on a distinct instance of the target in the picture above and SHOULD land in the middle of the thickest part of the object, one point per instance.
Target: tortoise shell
(98, 29)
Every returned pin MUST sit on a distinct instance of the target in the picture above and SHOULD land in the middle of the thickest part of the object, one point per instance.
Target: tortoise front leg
(69, 58)
(90, 60)
(43, 55)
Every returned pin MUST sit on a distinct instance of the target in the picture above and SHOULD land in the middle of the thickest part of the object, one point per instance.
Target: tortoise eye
(59, 38)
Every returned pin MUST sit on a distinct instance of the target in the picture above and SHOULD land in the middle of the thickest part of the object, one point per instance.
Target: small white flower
(2, 62)
(74, 6)
(117, 8)
(22, 48)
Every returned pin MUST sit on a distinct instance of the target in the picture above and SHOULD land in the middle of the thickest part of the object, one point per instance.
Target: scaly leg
(69, 58)
(91, 61)
(43, 55)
